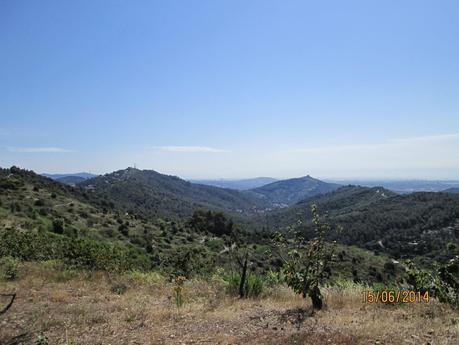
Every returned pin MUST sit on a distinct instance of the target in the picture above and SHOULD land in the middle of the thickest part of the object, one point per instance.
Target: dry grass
(84, 309)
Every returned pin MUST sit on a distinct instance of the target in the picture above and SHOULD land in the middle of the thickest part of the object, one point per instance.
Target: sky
(231, 89)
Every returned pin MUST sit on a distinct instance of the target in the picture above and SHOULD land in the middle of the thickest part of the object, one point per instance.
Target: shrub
(442, 281)
(253, 287)
(188, 261)
(9, 267)
(274, 278)
(41, 340)
(145, 277)
(58, 226)
(119, 288)
(80, 252)
(39, 203)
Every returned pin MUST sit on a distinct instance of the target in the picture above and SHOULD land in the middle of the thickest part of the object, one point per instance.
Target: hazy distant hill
(293, 190)
(451, 190)
(419, 223)
(70, 180)
(152, 193)
(83, 175)
(405, 186)
(243, 184)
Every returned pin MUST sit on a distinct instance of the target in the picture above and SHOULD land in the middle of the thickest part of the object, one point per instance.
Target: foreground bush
(253, 286)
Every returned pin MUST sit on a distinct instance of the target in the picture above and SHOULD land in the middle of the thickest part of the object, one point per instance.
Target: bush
(253, 287)
(145, 277)
(41, 340)
(188, 261)
(80, 252)
(58, 226)
(442, 281)
(274, 278)
(119, 288)
(9, 268)
(39, 203)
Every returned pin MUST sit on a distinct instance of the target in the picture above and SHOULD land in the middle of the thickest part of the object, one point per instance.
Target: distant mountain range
(243, 184)
(83, 175)
(451, 190)
(70, 179)
(403, 186)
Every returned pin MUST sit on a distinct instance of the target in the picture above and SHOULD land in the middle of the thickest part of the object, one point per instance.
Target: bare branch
(8, 306)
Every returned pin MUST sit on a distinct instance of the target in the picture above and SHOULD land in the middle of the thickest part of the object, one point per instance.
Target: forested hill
(402, 225)
(290, 191)
(150, 193)
(41, 219)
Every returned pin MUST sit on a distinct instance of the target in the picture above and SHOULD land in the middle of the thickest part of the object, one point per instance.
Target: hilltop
(290, 191)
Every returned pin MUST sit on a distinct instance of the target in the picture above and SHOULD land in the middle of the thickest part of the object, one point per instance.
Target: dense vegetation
(42, 219)
(150, 193)
(417, 224)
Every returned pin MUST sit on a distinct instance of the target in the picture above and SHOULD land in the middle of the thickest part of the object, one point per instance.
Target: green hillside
(150, 193)
(374, 218)
(43, 219)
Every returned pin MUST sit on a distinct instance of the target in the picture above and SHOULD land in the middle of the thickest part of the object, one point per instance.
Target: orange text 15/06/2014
(395, 296)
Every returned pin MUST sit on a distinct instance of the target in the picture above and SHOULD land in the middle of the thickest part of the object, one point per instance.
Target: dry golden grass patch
(84, 309)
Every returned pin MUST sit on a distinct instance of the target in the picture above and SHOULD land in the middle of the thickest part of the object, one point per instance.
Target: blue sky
(231, 89)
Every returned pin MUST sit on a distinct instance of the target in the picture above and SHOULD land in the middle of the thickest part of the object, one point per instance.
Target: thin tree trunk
(243, 277)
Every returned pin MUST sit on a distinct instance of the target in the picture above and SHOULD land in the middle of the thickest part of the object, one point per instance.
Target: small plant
(41, 340)
(70, 342)
(274, 278)
(253, 286)
(140, 277)
(178, 291)
(119, 288)
(306, 263)
(9, 268)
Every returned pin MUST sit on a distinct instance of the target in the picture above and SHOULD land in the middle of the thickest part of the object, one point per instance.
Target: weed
(41, 340)
(119, 288)
(178, 291)
(9, 268)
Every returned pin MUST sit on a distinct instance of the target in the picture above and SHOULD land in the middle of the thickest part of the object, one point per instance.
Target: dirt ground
(84, 310)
